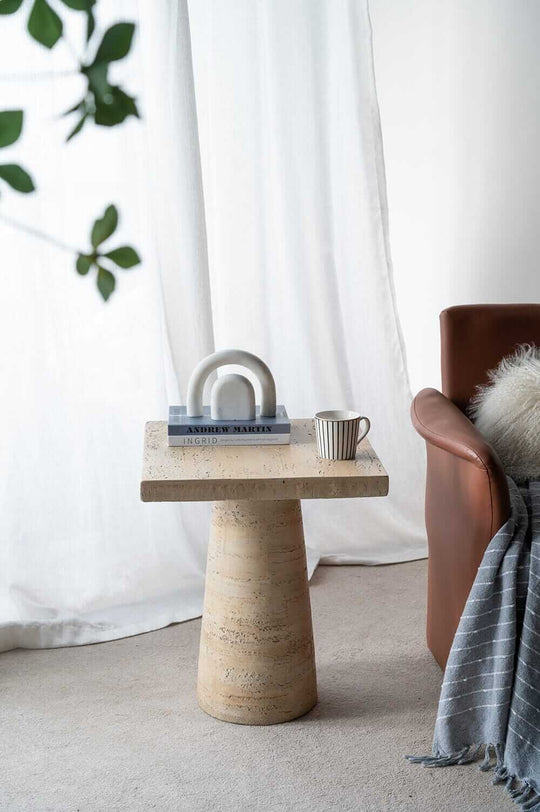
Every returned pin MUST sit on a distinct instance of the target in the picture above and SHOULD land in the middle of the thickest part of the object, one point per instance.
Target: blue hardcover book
(237, 431)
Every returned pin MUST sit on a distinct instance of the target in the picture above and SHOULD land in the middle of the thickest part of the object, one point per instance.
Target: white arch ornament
(212, 362)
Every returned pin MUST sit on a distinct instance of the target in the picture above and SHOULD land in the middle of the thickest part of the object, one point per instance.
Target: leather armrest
(467, 501)
(441, 423)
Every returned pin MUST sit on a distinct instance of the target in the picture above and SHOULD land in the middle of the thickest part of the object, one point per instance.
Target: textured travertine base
(256, 660)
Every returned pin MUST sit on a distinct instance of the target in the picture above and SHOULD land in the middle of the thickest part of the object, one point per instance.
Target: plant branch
(40, 235)
(37, 77)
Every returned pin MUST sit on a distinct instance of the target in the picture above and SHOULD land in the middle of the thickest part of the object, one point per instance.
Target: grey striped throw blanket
(490, 697)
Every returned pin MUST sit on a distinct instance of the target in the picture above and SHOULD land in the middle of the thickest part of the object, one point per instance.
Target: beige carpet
(115, 726)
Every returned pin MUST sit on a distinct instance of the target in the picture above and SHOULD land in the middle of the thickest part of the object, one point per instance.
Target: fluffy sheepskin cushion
(507, 413)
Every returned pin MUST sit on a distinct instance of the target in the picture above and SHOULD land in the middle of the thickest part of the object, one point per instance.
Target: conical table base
(256, 660)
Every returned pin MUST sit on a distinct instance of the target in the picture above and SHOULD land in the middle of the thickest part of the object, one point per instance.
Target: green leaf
(115, 107)
(105, 282)
(17, 177)
(90, 25)
(10, 6)
(97, 80)
(11, 122)
(78, 127)
(83, 264)
(105, 226)
(79, 5)
(116, 43)
(77, 108)
(44, 24)
(124, 257)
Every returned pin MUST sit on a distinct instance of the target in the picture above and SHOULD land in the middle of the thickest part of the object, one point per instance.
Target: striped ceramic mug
(337, 434)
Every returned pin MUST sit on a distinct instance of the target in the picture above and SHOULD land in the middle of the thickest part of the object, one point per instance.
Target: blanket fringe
(520, 790)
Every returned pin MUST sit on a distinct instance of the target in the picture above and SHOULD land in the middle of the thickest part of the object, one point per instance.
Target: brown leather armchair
(467, 498)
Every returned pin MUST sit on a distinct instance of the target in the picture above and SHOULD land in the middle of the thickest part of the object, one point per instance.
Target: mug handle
(368, 426)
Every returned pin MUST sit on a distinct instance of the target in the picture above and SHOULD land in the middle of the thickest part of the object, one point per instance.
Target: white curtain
(299, 259)
(254, 188)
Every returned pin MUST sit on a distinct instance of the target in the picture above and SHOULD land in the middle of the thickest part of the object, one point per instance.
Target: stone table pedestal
(256, 660)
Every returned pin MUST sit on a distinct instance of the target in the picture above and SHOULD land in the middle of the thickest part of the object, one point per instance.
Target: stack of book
(196, 431)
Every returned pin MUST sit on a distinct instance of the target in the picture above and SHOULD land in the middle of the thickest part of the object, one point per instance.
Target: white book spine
(217, 439)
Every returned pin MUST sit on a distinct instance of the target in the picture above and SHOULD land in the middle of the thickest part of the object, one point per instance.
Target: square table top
(292, 471)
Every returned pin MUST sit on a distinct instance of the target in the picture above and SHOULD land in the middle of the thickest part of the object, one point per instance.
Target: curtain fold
(175, 184)
(82, 560)
(254, 189)
(297, 226)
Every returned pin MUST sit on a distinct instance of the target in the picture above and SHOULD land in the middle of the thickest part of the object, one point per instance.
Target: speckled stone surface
(256, 661)
(210, 473)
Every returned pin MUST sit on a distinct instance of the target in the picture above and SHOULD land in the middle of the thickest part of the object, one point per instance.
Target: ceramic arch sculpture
(233, 396)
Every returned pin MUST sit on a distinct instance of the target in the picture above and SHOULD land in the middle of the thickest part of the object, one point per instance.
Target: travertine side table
(256, 660)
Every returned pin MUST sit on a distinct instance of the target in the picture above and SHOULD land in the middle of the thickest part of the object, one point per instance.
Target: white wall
(459, 92)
